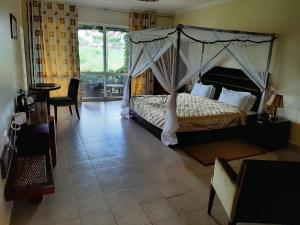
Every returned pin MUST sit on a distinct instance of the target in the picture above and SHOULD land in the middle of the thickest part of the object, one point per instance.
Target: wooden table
(44, 91)
(34, 141)
(38, 134)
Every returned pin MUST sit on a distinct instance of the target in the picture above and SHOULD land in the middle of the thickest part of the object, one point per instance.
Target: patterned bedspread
(194, 113)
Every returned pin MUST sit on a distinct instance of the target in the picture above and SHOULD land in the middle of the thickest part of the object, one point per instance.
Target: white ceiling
(162, 6)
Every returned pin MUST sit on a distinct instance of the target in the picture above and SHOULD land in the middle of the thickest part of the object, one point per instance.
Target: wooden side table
(266, 134)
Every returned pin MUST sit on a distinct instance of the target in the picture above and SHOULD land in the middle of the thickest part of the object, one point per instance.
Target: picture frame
(13, 26)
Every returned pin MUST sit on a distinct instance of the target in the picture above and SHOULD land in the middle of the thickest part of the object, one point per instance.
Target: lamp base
(273, 117)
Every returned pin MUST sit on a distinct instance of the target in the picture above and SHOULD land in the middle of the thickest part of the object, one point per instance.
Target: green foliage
(91, 50)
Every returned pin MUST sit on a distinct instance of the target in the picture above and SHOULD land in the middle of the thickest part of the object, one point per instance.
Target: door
(103, 53)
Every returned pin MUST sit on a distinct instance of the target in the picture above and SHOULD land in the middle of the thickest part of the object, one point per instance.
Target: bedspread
(194, 113)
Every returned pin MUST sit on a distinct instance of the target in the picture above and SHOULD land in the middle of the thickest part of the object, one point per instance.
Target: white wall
(115, 18)
(11, 79)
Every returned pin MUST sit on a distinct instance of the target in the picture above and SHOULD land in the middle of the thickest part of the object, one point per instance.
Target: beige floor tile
(60, 197)
(171, 188)
(87, 190)
(198, 218)
(76, 167)
(126, 208)
(101, 218)
(184, 203)
(107, 162)
(112, 185)
(158, 210)
(92, 205)
(146, 193)
(77, 156)
(158, 175)
(176, 172)
(63, 183)
(73, 222)
(201, 196)
(196, 182)
(136, 179)
(62, 212)
(171, 221)
(84, 177)
(107, 173)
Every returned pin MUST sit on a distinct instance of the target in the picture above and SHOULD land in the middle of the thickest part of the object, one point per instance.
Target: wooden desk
(38, 134)
(29, 172)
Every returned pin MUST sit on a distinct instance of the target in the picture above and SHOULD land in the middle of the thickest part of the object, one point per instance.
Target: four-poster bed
(182, 53)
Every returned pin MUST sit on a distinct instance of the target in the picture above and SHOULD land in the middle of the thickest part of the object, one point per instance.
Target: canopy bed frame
(181, 53)
(220, 77)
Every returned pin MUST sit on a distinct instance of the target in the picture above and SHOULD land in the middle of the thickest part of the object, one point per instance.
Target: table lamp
(276, 101)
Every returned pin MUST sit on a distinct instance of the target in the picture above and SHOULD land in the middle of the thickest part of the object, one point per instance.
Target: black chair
(69, 100)
(262, 192)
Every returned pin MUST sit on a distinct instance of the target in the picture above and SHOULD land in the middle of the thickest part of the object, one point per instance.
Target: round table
(44, 91)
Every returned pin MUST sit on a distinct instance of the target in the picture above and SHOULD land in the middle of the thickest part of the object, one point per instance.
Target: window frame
(105, 73)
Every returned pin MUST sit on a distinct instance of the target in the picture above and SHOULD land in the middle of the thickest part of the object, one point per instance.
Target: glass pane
(117, 61)
(117, 51)
(91, 50)
(91, 62)
(115, 85)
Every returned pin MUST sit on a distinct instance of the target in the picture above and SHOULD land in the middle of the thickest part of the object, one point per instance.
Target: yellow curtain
(60, 45)
(142, 85)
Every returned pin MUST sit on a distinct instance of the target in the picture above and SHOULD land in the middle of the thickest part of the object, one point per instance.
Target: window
(103, 53)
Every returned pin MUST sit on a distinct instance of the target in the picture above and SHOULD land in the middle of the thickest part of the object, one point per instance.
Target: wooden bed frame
(219, 77)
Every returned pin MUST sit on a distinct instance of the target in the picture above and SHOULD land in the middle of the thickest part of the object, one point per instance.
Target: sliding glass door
(103, 53)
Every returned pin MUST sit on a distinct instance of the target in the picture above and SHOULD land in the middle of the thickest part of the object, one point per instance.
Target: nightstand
(266, 134)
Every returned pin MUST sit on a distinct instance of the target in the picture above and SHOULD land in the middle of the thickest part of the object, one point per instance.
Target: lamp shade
(276, 100)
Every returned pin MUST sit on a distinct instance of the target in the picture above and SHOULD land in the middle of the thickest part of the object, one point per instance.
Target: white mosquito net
(182, 53)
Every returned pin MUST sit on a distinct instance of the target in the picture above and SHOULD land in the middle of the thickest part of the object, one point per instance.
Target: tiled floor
(113, 172)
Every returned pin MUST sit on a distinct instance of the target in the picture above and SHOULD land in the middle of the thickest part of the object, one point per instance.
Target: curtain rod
(226, 31)
(122, 11)
(179, 30)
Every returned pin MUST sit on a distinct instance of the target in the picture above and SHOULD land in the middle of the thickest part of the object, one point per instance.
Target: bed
(195, 113)
(200, 119)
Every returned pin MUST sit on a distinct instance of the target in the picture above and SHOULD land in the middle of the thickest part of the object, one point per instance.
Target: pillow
(234, 98)
(202, 90)
(250, 103)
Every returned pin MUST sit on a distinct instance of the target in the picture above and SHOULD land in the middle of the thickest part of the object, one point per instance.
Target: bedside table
(267, 134)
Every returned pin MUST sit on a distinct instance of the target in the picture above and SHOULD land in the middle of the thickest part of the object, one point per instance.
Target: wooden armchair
(262, 192)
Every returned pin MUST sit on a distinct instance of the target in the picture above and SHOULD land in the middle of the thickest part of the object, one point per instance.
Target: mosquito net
(181, 53)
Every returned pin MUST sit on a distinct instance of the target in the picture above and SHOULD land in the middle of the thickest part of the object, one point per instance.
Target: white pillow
(250, 103)
(202, 90)
(234, 98)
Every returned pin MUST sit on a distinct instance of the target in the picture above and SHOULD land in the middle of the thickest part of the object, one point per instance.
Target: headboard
(234, 79)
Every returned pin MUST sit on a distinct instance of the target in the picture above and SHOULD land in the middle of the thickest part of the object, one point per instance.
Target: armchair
(262, 192)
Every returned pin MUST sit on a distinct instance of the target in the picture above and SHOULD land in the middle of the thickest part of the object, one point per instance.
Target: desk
(38, 134)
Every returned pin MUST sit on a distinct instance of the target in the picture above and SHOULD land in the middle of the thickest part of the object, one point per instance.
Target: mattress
(194, 113)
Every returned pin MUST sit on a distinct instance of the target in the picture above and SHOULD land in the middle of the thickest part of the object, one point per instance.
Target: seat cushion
(61, 101)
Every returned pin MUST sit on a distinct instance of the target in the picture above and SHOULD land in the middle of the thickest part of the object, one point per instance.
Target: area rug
(229, 150)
